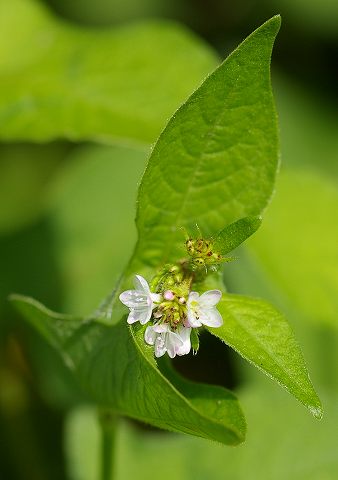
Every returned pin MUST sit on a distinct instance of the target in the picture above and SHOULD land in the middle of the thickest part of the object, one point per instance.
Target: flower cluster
(174, 312)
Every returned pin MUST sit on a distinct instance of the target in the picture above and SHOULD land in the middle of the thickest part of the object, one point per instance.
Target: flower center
(172, 312)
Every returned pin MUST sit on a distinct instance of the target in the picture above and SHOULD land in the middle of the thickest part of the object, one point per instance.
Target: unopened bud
(169, 295)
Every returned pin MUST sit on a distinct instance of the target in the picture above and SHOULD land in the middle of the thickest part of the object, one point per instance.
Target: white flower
(139, 301)
(165, 340)
(202, 309)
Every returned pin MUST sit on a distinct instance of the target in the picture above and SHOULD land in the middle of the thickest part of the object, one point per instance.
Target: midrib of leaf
(200, 159)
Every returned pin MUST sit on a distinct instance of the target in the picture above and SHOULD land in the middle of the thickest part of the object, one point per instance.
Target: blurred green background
(81, 103)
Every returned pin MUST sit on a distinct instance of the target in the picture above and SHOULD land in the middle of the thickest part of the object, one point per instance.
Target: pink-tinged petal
(210, 298)
(212, 318)
(141, 284)
(184, 334)
(160, 347)
(150, 336)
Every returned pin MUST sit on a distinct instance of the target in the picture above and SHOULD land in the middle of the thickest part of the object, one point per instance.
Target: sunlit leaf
(236, 233)
(210, 165)
(262, 336)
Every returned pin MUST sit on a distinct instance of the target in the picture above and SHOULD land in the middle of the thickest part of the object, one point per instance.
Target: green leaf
(236, 233)
(62, 81)
(117, 370)
(195, 341)
(216, 160)
(262, 336)
(210, 166)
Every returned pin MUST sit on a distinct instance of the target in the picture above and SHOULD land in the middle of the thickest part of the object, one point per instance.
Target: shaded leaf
(116, 369)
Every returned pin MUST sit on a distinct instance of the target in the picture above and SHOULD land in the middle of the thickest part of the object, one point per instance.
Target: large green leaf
(58, 80)
(216, 160)
(262, 336)
(210, 165)
(118, 370)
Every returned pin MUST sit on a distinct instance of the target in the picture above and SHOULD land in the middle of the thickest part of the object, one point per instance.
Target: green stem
(108, 433)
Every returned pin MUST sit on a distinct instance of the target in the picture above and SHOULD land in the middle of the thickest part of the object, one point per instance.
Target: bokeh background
(66, 230)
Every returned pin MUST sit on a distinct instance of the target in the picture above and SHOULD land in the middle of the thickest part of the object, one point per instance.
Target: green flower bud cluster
(203, 252)
(168, 277)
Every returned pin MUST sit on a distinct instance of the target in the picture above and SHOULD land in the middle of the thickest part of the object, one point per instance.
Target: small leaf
(117, 369)
(262, 336)
(236, 233)
(195, 341)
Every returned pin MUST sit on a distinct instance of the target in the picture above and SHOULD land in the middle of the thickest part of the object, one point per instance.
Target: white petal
(173, 343)
(184, 334)
(161, 327)
(150, 336)
(210, 298)
(141, 284)
(160, 347)
(193, 297)
(134, 299)
(192, 321)
(145, 316)
(212, 318)
(142, 315)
